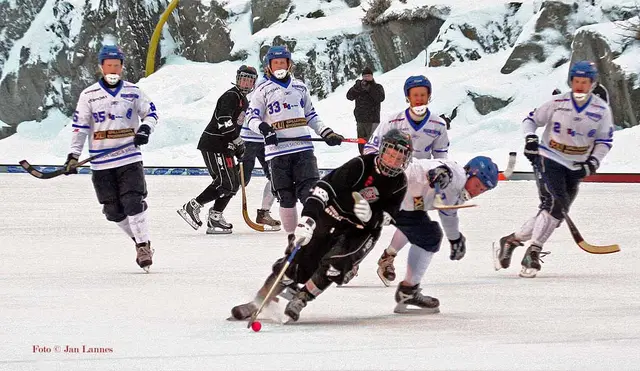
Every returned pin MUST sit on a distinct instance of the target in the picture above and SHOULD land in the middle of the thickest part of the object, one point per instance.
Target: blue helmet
(276, 52)
(584, 69)
(110, 52)
(484, 169)
(416, 81)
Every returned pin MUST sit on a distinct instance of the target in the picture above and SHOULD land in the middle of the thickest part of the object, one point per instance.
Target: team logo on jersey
(432, 132)
(289, 106)
(97, 99)
(130, 96)
(370, 194)
(570, 150)
(594, 116)
(113, 134)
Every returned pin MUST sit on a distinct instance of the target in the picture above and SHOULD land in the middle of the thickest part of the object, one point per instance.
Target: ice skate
(190, 212)
(386, 270)
(144, 255)
(216, 224)
(264, 218)
(531, 261)
(295, 306)
(503, 250)
(410, 295)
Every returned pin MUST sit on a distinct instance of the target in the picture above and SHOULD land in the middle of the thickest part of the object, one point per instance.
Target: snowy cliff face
(48, 48)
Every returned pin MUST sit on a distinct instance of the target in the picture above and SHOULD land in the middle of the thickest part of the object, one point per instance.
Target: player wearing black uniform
(219, 143)
(340, 223)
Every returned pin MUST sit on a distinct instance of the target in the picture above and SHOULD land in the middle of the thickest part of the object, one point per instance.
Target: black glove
(142, 136)
(440, 177)
(588, 167)
(458, 248)
(71, 163)
(332, 138)
(238, 148)
(269, 134)
(531, 148)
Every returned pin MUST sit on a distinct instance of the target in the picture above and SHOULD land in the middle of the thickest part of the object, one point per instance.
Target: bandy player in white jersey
(578, 133)
(108, 115)
(430, 140)
(281, 108)
(454, 185)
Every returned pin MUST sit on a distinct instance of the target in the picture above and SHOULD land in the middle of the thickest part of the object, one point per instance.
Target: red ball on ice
(256, 326)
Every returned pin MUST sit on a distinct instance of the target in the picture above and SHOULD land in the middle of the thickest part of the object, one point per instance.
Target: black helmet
(246, 73)
(395, 153)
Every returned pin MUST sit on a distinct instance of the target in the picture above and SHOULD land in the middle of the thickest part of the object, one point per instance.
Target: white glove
(304, 230)
(361, 207)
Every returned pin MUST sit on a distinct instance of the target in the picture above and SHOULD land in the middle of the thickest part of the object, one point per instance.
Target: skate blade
(528, 272)
(218, 231)
(188, 219)
(412, 310)
(270, 228)
(496, 254)
(147, 269)
(380, 272)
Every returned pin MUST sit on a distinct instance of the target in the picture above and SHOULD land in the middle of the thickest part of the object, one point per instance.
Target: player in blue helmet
(114, 113)
(578, 134)
(583, 76)
(453, 184)
(430, 139)
(111, 60)
(278, 60)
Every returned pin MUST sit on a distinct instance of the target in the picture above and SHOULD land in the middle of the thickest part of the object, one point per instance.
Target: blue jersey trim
(81, 126)
(283, 84)
(580, 109)
(112, 93)
(421, 123)
(116, 158)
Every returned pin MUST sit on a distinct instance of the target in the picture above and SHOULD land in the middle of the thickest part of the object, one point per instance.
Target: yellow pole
(155, 38)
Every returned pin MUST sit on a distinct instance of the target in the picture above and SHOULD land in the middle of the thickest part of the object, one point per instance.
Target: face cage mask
(248, 76)
(581, 97)
(398, 165)
(280, 74)
(419, 110)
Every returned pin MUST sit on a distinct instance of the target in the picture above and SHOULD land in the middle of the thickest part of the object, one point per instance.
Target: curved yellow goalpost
(155, 38)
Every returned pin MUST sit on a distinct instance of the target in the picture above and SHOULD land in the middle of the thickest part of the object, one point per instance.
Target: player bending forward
(337, 229)
(578, 134)
(108, 115)
(430, 140)
(454, 185)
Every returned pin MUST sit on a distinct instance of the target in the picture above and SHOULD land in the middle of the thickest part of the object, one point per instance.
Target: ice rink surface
(68, 279)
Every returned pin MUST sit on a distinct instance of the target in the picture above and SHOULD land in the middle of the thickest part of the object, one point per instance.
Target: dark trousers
(331, 255)
(419, 229)
(226, 179)
(252, 151)
(292, 177)
(365, 130)
(557, 186)
(121, 191)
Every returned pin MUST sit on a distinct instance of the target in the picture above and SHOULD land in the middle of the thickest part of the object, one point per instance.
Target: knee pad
(113, 211)
(133, 203)
(287, 198)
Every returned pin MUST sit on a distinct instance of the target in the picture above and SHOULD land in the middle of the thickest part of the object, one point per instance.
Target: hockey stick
(52, 174)
(267, 297)
(510, 165)
(575, 233)
(245, 213)
(347, 140)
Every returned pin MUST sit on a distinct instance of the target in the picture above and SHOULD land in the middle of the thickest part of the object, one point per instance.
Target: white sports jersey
(288, 109)
(420, 196)
(429, 137)
(572, 134)
(111, 119)
(246, 133)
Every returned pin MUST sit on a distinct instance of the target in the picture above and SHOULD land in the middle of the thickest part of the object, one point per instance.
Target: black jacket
(368, 99)
(224, 126)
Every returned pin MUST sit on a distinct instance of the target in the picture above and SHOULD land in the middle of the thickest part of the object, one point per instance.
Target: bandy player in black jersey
(338, 228)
